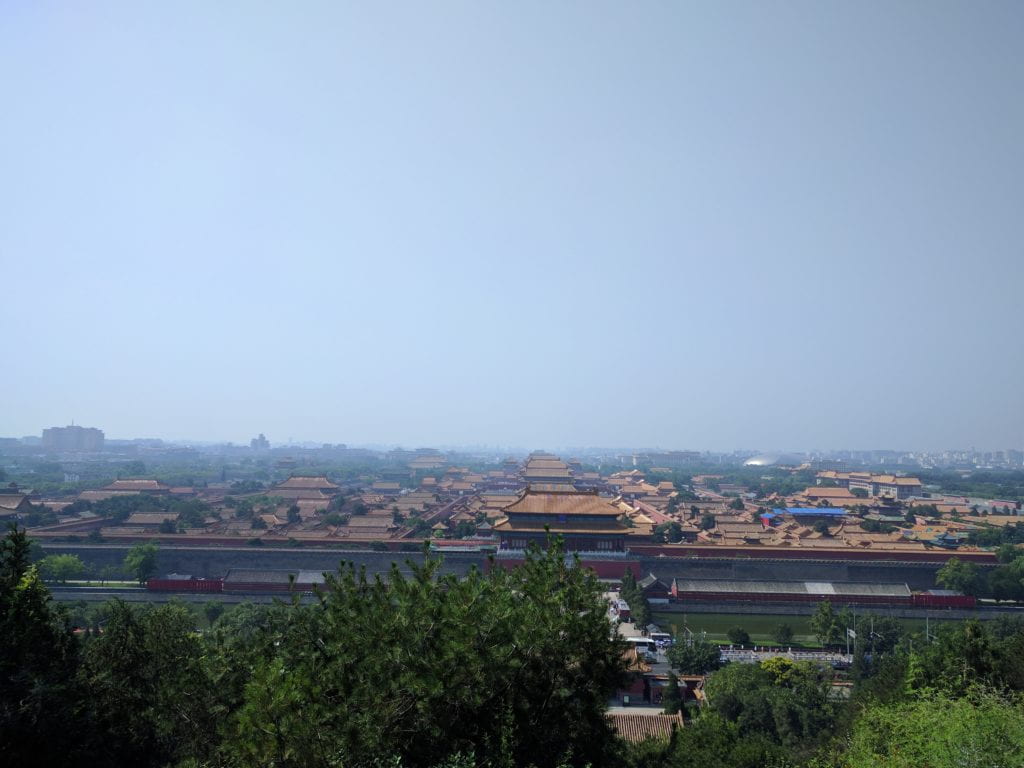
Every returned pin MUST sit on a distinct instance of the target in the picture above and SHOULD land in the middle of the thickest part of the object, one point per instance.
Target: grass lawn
(760, 627)
(105, 584)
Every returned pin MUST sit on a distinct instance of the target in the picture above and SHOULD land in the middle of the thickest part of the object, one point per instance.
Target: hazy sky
(763, 224)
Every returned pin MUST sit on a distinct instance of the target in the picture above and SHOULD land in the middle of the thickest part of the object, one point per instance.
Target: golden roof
(562, 503)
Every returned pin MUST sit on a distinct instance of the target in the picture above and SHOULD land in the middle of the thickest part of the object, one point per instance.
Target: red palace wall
(185, 585)
(780, 553)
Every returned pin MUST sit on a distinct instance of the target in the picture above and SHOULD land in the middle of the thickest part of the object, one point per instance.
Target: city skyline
(290, 441)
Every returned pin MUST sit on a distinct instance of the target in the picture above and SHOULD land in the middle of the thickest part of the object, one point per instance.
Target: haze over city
(512, 385)
(775, 226)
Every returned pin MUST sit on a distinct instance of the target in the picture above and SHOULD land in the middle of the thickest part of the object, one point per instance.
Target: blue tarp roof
(812, 511)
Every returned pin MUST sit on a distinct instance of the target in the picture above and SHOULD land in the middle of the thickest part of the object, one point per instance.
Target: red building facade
(585, 521)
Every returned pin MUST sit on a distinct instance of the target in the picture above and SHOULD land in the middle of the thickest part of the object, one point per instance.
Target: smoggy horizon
(656, 225)
(291, 441)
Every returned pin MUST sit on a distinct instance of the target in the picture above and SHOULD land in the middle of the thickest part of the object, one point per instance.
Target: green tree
(141, 561)
(981, 730)
(339, 518)
(784, 701)
(963, 654)
(212, 610)
(882, 634)
(707, 522)
(959, 575)
(1008, 552)
(641, 611)
(293, 514)
(783, 634)
(153, 700)
(1006, 582)
(671, 700)
(62, 568)
(727, 746)
(737, 504)
(40, 700)
(516, 664)
(824, 623)
(695, 657)
(738, 636)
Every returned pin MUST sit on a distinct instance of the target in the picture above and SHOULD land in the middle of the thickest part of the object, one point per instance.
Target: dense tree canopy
(787, 702)
(982, 730)
(695, 656)
(61, 568)
(507, 668)
(39, 691)
(513, 667)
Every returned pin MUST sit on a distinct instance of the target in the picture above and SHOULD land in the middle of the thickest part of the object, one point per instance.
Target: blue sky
(774, 225)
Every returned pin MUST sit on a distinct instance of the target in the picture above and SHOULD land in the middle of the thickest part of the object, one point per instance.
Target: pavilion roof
(136, 485)
(562, 503)
(307, 483)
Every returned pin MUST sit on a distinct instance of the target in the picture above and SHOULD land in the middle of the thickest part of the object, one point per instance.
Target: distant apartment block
(669, 459)
(260, 443)
(73, 438)
(886, 486)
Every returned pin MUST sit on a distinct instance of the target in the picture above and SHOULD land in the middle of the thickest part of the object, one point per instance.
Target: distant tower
(260, 443)
(73, 438)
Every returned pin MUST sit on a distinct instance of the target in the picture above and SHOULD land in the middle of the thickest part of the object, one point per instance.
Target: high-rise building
(260, 443)
(73, 438)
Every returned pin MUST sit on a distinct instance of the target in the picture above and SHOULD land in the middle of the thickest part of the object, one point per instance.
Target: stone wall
(917, 576)
(214, 562)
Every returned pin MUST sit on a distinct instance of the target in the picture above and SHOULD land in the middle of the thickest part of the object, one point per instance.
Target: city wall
(917, 576)
(213, 562)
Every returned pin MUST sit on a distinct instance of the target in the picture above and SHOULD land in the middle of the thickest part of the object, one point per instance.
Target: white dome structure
(773, 460)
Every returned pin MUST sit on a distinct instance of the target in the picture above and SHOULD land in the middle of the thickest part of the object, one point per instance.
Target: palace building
(584, 520)
(299, 487)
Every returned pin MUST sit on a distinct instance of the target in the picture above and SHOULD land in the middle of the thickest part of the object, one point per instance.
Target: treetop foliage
(506, 668)
(511, 667)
